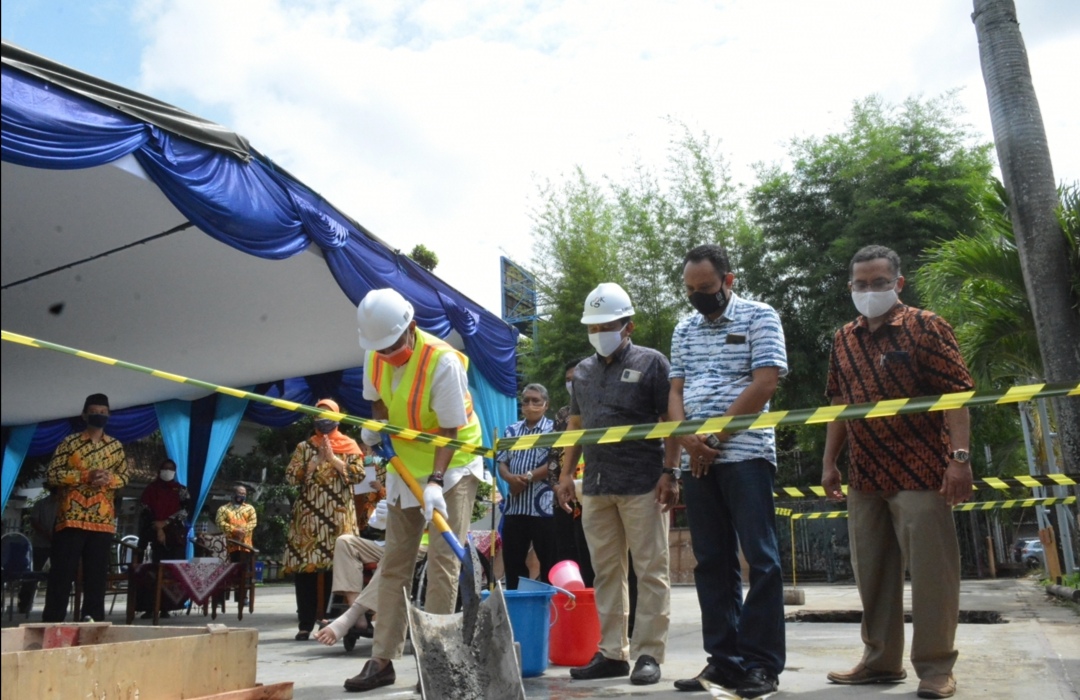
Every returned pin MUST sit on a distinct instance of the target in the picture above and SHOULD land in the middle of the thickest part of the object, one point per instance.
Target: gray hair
(876, 252)
(538, 388)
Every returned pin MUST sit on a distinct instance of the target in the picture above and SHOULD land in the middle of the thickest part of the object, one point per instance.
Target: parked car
(1018, 548)
(1032, 555)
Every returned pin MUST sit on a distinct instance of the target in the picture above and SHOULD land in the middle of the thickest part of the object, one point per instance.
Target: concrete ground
(1035, 654)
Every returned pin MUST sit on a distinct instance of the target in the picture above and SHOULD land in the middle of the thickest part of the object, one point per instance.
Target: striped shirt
(537, 498)
(913, 353)
(716, 361)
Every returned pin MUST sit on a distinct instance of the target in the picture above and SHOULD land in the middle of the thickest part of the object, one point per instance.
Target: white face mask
(874, 304)
(569, 387)
(606, 342)
(167, 474)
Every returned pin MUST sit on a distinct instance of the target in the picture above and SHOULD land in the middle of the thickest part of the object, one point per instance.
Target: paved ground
(1036, 654)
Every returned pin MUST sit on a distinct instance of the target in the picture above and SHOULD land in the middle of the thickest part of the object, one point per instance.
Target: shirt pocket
(729, 361)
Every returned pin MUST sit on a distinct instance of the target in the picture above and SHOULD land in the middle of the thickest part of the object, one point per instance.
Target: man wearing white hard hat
(627, 490)
(415, 380)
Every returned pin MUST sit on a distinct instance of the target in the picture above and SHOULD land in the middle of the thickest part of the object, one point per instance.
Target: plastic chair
(17, 555)
(128, 557)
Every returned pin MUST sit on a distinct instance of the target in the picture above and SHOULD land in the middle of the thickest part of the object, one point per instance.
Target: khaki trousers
(350, 554)
(887, 530)
(612, 525)
(404, 528)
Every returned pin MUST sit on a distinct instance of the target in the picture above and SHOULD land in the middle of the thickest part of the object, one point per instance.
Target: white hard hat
(382, 316)
(608, 302)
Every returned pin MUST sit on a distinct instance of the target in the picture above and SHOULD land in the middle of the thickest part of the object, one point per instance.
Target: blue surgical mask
(325, 425)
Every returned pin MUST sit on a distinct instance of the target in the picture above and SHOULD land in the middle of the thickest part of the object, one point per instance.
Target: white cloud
(427, 121)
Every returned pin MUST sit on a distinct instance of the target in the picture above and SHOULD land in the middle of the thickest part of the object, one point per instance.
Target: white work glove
(371, 437)
(434, 501)
(377, 520)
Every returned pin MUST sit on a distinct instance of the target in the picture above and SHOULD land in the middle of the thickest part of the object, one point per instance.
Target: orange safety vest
(410, 405)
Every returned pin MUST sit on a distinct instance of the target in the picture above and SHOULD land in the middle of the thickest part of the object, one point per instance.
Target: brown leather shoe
(937, 686)
(372, 677)
(861, 675)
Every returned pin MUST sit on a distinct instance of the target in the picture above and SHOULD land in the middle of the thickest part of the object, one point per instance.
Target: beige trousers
(350, 554)
(404, 528)
(612, 525)
(887, 530)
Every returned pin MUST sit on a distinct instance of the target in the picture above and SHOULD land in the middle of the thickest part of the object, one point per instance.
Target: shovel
(468, 655)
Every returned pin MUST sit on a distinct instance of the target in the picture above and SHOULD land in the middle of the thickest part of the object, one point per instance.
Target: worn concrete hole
(969, 617)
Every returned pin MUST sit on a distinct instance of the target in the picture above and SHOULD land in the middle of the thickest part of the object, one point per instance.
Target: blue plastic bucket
(529, 619)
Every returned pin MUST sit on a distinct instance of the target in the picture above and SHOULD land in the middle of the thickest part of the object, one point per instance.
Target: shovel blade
(451, 669)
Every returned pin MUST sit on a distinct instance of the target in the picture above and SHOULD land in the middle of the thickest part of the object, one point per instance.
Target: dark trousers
(71, 546)
(570, 544)
(733, 504)
(309, 606)
(29, 589)
(520, 531)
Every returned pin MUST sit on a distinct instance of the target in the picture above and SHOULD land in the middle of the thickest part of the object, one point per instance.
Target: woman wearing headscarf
(163, 527)
(162, 521)
(323, 468)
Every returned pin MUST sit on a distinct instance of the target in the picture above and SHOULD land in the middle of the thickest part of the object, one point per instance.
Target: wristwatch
(673, 473)
(529, 476)
(962, 456)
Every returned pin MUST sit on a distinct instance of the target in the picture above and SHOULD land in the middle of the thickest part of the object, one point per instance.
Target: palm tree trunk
(1024, 156)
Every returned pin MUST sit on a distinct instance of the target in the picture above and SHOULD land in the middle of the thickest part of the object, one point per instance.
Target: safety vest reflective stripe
(411, 405)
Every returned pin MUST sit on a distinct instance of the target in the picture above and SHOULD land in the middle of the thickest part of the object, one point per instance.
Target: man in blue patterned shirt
(528, 518)
(727, 360)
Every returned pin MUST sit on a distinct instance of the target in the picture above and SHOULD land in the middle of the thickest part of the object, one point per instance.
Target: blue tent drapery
(249, 205)
(16, 443)
(186, 426)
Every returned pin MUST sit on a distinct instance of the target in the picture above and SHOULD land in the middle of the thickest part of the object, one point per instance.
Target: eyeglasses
(533, 401)
(878, 285)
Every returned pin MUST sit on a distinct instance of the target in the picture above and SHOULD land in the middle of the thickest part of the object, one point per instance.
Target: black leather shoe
(759, 681)
(601, 667)
(303, 635)
(369, 678)
(713, 674)
(646, 671)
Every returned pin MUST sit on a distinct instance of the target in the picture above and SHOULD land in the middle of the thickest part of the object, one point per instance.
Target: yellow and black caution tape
(963, 507)
(405, 433)
(755, 421)
(803, 416)
(1002, 483)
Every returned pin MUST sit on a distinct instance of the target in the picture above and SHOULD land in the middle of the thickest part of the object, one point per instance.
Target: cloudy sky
(434, 121)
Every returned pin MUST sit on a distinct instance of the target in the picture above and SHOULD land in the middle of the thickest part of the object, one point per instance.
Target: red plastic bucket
(575, 629)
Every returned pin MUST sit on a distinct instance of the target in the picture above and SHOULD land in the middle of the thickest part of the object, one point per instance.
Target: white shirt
(449, 384)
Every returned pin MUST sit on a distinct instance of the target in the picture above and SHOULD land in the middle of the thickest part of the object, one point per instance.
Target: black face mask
(325, 426)
(97, 420)
(709, 304)
(239, 499)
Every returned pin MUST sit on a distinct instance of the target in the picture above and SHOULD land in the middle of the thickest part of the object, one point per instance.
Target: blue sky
(435, 121)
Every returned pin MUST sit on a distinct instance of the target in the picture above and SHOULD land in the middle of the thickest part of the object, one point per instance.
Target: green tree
(977, 282)
(575, 249)
(633, 231)
(424, 257)
(1028, 174)
(899, 175)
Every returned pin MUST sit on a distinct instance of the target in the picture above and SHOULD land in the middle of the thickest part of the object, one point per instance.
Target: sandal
(355, 633)
(349, 640)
